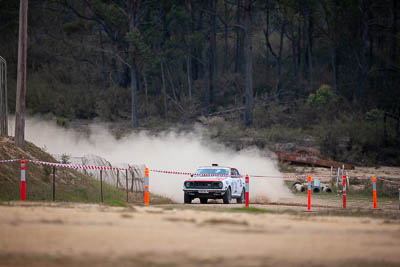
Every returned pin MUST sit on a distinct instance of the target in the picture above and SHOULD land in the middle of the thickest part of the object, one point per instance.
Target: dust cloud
(165, 151)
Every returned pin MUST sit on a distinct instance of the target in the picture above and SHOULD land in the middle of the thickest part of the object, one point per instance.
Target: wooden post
(20, 105)
(117, 178)
(54, 183)
(3, 97)
(337, 179)
(101, 186)
(126, 176)
(399, 198)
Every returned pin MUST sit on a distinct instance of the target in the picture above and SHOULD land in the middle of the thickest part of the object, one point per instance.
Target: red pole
(247, 190)
(344, 190)
(309, 192)
(374, 191)
(23, 182)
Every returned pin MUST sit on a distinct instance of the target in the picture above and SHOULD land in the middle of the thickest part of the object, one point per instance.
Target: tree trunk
(146, 95)
(133, 6)
(249, 64)
(334, 69)
(309, 46)
(239, 53)
(294, 59)
(226, 47)
(134, 118)
(278, 57)
(209, 77)
(335, 61)
(211, 58)
(394, 32)
(213, 36)
(164, 91)
(363, 57)
(21, 75)
(299, 48)
(278, 81)
(188, 74)
(3, 98)
(307, 35)
(189, 51)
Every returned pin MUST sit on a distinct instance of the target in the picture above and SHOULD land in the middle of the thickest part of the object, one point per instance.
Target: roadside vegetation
(324, 74)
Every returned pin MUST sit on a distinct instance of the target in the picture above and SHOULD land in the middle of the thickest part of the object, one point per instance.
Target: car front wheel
(187, 199)
(227, 197)
(241, 198)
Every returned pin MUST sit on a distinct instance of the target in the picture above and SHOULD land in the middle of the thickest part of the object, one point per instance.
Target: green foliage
(115, 203)
(138, 44)
(65, 159)
(374, 115)
(62, 122)
(322, 97)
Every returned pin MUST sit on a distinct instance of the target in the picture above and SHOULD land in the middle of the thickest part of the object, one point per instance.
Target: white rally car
(215, 182)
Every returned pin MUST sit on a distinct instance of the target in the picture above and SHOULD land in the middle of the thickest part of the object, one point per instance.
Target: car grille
(204, 185)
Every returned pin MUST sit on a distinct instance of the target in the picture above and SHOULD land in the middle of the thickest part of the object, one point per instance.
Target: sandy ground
(68, 234)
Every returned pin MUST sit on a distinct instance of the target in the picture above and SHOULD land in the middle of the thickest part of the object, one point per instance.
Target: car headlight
(187, 184)
(220, 184)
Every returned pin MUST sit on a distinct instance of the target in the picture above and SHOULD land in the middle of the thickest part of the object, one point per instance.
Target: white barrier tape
(78, 166)
(266, 176)
(189, 173)
(389, 181)
(225, 175)
(108, 168)
(9, 160)
(272, 176)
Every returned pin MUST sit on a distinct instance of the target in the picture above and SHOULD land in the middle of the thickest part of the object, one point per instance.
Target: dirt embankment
(90, 235)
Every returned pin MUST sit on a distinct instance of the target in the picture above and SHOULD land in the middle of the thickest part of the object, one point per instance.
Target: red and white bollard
(23, 181)
(309, 192)
(146, 187)
(344, 190)
(247, 186)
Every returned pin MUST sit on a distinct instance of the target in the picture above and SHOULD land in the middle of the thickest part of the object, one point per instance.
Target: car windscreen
(212, 172)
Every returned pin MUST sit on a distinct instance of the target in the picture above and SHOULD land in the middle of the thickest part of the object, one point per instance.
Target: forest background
(274, 73)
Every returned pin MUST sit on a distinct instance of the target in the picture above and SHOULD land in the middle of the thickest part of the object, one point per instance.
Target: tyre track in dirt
(46, 234)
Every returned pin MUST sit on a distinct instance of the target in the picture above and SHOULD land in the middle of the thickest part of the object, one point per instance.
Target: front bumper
(205, 193)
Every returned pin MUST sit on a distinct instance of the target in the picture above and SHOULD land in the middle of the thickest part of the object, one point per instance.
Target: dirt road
(67, 234)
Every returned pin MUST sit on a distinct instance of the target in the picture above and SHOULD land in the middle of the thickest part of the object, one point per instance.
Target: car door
(235, 181)
(240, 182)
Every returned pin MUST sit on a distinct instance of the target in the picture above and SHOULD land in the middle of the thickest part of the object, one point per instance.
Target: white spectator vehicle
(215, 182)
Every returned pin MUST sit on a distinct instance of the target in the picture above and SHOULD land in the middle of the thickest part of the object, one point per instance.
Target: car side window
(235, 173)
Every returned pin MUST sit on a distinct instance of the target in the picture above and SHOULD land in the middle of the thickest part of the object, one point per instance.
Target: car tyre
(203, 200)
(187, 199)
(227, 197)
(241, 198)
